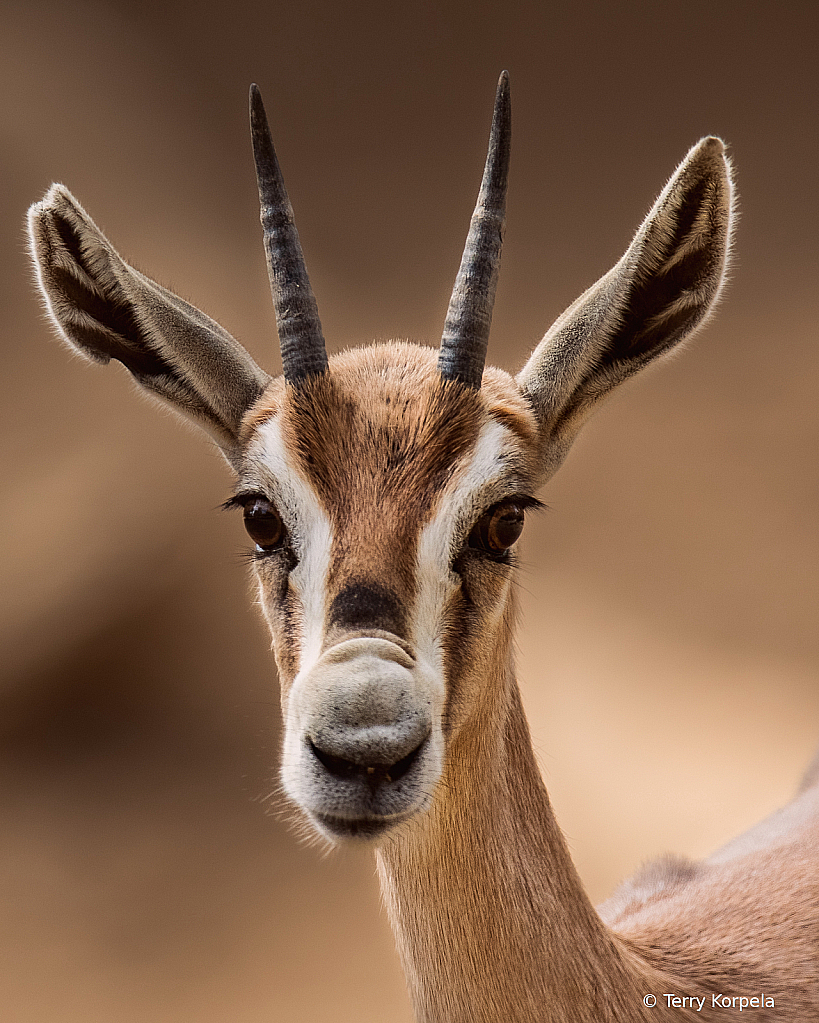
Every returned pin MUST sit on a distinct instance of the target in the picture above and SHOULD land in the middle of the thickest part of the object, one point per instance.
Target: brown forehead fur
(378, 437)
(401, 369)
(383, 418)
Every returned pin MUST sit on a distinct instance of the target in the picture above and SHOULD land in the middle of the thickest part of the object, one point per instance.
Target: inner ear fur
(105, 309)
(654, 297)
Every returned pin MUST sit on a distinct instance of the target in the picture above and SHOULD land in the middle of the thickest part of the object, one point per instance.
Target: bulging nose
(362, 745)
(367, 721)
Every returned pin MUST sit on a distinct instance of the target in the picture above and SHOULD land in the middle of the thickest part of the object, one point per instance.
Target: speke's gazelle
(384, 490)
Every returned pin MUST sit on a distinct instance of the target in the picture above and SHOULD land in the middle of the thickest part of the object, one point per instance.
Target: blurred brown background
(669, 653)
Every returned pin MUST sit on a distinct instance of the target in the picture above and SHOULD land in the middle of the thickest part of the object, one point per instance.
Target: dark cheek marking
(287, 639)
(465, 627)
(283, 615)
(460, 629)
(367, 605)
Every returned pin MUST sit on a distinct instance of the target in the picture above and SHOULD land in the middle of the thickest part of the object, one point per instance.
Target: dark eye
(498, 529)
(264, 524)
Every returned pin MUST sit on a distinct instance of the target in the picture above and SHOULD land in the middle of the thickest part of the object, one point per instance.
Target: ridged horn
(302, 343)
(466, 330)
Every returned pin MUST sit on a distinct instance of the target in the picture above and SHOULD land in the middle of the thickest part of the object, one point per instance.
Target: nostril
(337, 766)
(374, 773)
(400, 767)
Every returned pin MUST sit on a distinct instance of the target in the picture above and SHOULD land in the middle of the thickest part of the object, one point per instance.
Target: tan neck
(491, 919)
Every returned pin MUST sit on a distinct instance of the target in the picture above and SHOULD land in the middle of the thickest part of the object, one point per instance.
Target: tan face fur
(382, 613)
(391, 618)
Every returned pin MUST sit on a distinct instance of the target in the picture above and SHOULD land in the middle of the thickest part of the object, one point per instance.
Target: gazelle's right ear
(656, 295)
(106, 310)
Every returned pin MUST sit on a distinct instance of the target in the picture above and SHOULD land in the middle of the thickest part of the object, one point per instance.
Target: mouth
(362, 752)
(365, 801)
(368, 828)
(374, 774)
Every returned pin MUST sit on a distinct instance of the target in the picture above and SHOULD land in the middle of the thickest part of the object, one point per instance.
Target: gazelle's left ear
(658, 293)
(106, 310)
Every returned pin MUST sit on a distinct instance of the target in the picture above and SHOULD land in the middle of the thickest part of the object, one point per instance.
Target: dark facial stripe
(367, 605)
(379, 445)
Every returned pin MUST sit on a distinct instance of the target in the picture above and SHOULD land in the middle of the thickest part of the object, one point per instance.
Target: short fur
(393, 632)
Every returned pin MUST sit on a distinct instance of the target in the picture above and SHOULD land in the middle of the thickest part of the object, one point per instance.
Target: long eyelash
(526, 502)
(239, 500)
(248, 555)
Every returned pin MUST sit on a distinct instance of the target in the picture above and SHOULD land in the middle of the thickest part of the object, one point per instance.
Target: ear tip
(41, 211)
(708, 158)
(709, 151)
(57, 196)
(48, 199)
(713, 144)
(36, 210)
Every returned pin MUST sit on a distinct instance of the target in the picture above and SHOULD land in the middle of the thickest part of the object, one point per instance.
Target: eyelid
(460, 539)
(243, 498)
(524, 501)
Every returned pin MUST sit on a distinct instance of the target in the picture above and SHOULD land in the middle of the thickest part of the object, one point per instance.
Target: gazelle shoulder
(742, 886)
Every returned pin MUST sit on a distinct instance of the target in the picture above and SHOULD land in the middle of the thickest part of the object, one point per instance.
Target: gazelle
(384, 489)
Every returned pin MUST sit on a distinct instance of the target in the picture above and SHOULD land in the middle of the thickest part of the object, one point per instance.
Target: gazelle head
(385, 488)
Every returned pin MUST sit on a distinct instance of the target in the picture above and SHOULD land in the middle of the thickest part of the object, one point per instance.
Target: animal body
(384, 490)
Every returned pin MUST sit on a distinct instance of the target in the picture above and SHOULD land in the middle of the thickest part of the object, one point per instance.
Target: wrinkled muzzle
(362, 748)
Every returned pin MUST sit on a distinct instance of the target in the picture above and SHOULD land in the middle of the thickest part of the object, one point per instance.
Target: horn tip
(257, 112)
(503, 102)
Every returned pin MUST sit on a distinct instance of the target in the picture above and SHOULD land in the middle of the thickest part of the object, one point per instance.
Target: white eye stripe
(481, 480)
(312, 534)
(468, 493)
